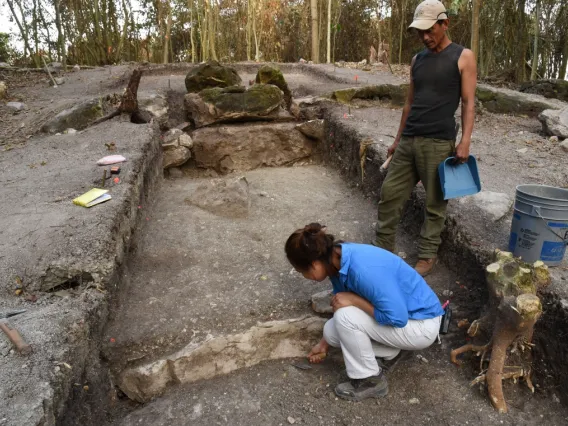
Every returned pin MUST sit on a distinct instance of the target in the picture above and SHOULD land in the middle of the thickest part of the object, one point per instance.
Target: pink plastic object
(111, 159)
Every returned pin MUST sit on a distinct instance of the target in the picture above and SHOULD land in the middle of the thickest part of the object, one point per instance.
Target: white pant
(362, 338)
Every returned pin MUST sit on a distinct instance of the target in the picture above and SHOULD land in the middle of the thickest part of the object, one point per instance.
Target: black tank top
(437, 91)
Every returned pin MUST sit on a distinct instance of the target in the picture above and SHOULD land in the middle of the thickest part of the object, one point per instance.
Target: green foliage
(6, 50)
(94, 31)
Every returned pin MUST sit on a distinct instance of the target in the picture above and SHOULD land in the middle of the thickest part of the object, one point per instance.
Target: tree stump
(128, 100)
(506, 331)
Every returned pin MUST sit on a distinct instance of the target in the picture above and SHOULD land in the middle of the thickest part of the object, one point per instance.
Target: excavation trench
(206, 300)
(207, 290)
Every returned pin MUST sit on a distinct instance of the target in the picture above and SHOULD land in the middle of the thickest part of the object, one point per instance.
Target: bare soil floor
(195, 274)
(270, 393)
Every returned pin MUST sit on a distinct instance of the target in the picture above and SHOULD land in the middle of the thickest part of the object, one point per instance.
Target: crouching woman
(381, 306)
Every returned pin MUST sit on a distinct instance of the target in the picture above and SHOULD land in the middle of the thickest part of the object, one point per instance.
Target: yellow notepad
(93, 197)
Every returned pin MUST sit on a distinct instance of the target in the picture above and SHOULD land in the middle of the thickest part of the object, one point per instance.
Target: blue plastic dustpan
(459, 180)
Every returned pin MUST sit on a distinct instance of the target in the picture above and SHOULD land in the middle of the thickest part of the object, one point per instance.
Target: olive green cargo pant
(415, 159)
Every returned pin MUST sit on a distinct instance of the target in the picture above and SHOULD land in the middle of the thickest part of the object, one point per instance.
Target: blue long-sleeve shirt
(396, 291)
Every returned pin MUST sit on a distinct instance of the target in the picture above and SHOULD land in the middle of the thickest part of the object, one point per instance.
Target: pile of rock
(215, 95)
(266, 134)
(177, 148)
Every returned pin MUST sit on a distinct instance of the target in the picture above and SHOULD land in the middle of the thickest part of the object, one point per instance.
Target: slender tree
(328, 31)
(536, 37)
(21, 26)
(475, 28)
(402, 25)
(315, 34)
(167, 34)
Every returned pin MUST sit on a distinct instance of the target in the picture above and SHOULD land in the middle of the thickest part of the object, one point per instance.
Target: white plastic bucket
(539, 230)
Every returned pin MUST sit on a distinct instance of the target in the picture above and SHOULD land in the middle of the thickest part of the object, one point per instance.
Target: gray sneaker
(360, 389)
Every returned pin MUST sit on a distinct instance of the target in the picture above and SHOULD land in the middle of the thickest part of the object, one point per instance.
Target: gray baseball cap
(427, 14)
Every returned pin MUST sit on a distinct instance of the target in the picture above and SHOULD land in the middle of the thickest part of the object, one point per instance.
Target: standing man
(440, 76)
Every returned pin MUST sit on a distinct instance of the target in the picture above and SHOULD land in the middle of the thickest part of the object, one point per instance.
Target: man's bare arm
(468, 70)
(405, 111)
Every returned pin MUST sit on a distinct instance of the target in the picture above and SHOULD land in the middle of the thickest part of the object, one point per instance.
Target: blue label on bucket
(517, 216)
(512, 241)
(558, 225)
(552, 251)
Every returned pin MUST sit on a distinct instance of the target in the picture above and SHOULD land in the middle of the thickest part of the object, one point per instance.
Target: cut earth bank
(149, 302)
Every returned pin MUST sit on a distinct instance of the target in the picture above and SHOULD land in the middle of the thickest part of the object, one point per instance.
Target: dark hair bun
(314, 229)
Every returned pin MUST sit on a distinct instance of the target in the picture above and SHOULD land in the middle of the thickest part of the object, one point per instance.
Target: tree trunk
(563, 65)
(563, 41)
(205, 30)
(105, 33)
(320, 24)
(379, 27)
(97, 26)
(26, 32)
(23, 32)
(167, 35)
(402, 25)
(255, 33)
(35, 30)
(134, 34)
(129, 101)
(250, 11)
(475, 29)
(191, 4)
(124, 31)
(328, 31)
(391, 37)
(256, 40)
(336, 26)
(212, 31)
(536, 36)
(521, 44)
(315, 35)
(47, 32)
(204, 43)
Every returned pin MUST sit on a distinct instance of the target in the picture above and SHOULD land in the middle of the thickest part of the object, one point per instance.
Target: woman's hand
(318, 352)
(344, 299)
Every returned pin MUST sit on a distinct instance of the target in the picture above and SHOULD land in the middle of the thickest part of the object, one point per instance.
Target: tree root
(467, 348)
(516, 373)
(481, 325)
(106, 117)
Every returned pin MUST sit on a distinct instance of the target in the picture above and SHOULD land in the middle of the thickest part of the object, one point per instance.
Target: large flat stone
(77, 117)
(495, 204)
(221, 197)
(314, 129)
(395, 93)
(222, 355)
(505, 101)
(321, 302)
(247, 147)
(557, 89)
(555, 122)
(224, 105)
